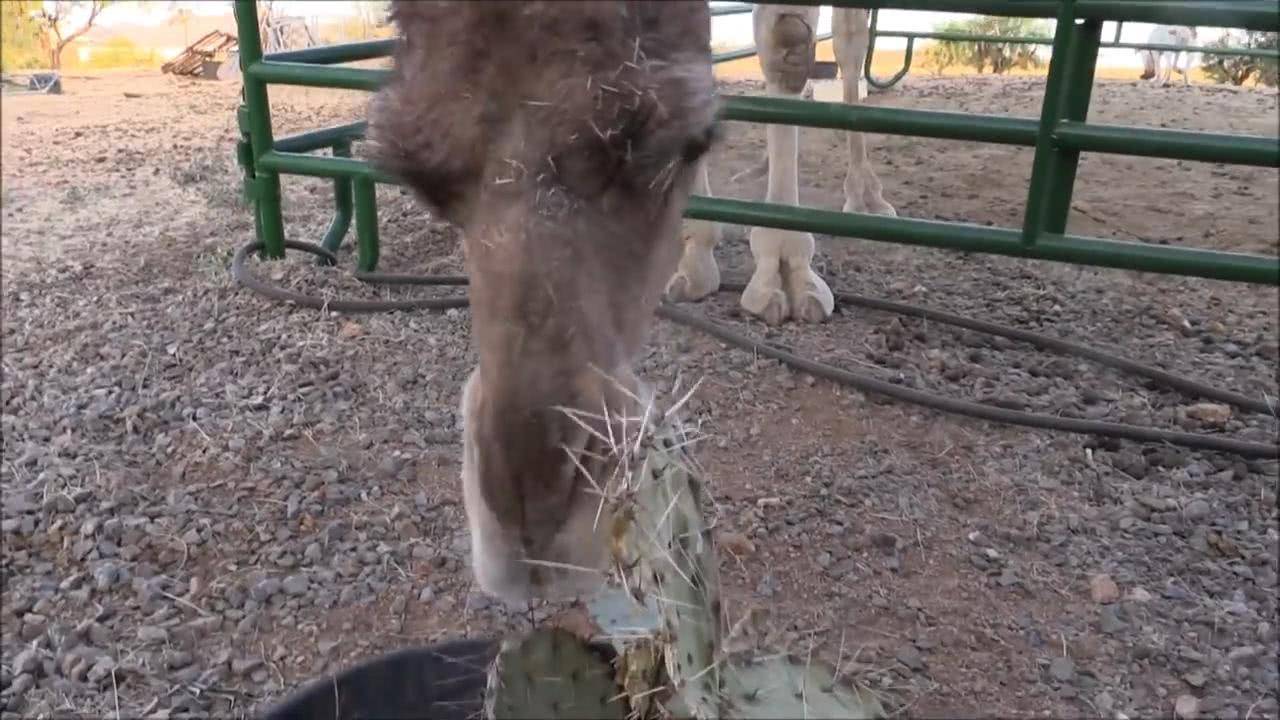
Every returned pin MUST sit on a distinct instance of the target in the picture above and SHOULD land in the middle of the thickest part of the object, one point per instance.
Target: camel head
(561, 138)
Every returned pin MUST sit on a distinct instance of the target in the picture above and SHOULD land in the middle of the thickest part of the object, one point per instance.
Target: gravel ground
(210, 499)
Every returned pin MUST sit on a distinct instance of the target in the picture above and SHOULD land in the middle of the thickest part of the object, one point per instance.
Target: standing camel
(1158, 65)
(784, 284)
(563, 139)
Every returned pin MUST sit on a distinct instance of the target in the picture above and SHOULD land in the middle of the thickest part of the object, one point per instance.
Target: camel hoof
(874, 207)
(810, 309)
(765, 299)
(697, 277)
(811, 297)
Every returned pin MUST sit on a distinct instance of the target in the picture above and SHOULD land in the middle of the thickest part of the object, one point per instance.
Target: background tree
(1001, 57)
(55, 22)
(21, 48)
(182, 16)
(373, 16)
(1236, 69)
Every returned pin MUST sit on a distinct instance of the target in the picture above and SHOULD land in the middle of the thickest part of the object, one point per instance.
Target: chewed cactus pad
(787, 686)
(552, 673)
(664, 553)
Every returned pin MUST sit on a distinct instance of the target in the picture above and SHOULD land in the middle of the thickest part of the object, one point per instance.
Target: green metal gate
(1060, 135)
(911, 38)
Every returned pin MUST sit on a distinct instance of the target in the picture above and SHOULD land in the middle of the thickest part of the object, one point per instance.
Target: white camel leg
(1168, 63)
(697, 275)
(784, 284)
(851, 35)
(1148, 64)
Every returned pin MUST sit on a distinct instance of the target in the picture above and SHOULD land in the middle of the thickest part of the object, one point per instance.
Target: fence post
(266, 190)
(366, 224)
(1067, 91)
(1077, 90)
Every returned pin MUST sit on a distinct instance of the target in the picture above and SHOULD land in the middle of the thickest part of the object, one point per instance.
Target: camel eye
(699, 144)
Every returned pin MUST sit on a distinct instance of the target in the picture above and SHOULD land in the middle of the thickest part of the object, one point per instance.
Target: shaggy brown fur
(561, 138)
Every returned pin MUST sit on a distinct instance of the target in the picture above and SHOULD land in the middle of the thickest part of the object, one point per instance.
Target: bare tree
(182, 16)
(53, 17)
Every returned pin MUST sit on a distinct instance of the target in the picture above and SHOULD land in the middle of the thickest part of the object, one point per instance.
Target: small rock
(101, 670)
(479, 601)
(179, 659)
(1195, 679)
(1244, 655)
(737, 543)
(1103, 589)
(1209, 413)
(426, 594)
(152, 634)
(296, 585)
(264, 589)
(1196, 510)
(21, 685)
(27, 662)
(106, 576)
(1138, 594)
(1111, 623)
(33, 626)
(908, 655)
(1062, 669)
(1187, 707)
(244, 666)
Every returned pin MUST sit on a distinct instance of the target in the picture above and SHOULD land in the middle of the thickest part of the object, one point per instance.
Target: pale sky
(734, 30)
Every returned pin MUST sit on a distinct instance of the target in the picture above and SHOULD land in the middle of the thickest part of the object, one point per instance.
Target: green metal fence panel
(340, 53)
(911, 37)
(1059, 136)
(1242, 14)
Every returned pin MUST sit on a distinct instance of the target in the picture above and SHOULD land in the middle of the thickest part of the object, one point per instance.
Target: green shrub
(1237, 69)
(19, 39)
(1000, 57)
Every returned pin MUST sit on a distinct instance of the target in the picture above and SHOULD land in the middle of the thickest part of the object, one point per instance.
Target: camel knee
(787, 40)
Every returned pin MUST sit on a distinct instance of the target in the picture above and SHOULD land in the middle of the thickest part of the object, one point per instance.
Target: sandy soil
(210, 499)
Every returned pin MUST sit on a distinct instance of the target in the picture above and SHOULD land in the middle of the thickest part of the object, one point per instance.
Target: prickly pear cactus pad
(661, 612)
(788, 686)
(663, 552)
(551, 673)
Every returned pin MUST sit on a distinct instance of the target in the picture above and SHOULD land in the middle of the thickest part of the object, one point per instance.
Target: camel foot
(874, 206)
(697, 275)
(784, 285)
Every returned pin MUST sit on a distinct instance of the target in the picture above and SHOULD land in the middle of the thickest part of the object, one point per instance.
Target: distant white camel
(1158, 65)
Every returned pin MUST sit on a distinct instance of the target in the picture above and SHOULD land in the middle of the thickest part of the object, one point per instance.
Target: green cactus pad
(551, 673)
(790, 687)
(664, 552)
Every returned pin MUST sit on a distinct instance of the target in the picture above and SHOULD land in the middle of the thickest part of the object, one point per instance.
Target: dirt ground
(210, 499)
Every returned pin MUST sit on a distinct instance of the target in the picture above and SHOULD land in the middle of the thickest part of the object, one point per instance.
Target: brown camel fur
(562, 139)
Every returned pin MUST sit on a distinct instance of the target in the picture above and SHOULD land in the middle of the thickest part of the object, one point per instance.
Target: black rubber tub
(441, 682)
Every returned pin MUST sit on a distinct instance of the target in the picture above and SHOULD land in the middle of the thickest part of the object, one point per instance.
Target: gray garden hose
(864, 383)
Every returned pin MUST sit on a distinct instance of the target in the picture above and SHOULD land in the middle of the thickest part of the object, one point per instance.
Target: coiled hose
(864, 383)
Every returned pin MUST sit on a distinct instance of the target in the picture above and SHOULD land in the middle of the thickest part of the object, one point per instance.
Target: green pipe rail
(912, 36)
(1059, 136)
